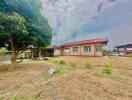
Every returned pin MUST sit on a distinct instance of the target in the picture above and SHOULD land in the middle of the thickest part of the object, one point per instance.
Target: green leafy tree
(22, 24)
(14, 32)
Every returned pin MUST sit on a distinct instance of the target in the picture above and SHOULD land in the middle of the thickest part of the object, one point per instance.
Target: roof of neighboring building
(90, 41)
(123, 46)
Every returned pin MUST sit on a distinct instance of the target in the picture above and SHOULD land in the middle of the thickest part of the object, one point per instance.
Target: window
(87, 49)
(66, 49)
(75, 49)
(98, 49)
(128, 48)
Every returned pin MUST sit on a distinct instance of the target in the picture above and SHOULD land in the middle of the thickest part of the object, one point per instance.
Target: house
(124, 50)
(92, 47)
(35, 52)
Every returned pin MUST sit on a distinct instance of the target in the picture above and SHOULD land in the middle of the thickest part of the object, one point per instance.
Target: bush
(107, 68)
(62, 62)
(88, 65)
(73, 64)
(130, 55)
(3, 51)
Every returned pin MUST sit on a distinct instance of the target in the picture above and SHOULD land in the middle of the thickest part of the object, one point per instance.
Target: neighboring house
(34, 52)
(92, 47)
(124, 50)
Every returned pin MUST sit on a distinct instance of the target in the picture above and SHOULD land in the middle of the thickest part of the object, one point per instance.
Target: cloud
(83, 19)
(105, 4)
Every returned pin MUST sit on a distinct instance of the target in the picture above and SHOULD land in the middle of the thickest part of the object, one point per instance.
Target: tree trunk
(13, 59)
(40, 53)
(13, 56)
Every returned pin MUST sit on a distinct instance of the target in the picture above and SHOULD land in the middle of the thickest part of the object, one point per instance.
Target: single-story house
(34, 52)
(92, 47)
(124, 50)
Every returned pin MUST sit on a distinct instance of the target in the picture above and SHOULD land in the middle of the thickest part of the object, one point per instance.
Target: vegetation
(54, 61)
(73, 64)
(88, 65)
(16, 97)
(130, 55)
(62, 62)
(3, 51)
(106, 52)
(107, 69)
(21, 25)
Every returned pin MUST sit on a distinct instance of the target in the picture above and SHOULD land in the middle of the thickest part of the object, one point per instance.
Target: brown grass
(28, 82)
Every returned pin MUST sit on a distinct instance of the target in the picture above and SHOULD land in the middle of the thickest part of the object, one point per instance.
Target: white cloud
(69, 16)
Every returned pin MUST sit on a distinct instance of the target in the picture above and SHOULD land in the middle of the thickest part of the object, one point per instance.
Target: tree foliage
(39, 31)
(22, 24)
(13, 27)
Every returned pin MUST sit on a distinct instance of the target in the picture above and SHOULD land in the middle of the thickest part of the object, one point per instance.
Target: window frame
(98, 48)
(87, 49)
(66, 50)
(75, 49)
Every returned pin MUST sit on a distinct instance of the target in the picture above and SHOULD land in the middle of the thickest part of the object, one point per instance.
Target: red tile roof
(90, 41)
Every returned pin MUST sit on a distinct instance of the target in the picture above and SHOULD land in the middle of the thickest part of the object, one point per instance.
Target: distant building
(92, 47)
(124, 50)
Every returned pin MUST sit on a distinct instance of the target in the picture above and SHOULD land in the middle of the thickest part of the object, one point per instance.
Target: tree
(22, 24)
(14, 32)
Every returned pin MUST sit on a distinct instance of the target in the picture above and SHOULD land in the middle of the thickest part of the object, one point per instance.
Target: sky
(73, 20)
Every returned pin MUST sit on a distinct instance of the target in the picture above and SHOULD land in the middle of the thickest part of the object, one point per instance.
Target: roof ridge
(88, 40)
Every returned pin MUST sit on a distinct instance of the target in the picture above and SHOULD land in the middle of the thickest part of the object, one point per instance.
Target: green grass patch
(62, 62)
(114, 77)
(16, 97)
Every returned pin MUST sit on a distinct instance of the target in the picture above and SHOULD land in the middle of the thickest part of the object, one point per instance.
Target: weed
(55, 61)
(28, 98)
(62, 62)
(16, 97)
(107, 69)
(88, 65)
(38, 95)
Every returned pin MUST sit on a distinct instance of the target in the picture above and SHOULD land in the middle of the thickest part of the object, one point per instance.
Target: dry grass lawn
(27, 80)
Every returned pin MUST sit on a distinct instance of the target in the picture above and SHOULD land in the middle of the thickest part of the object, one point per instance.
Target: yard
(77, 78)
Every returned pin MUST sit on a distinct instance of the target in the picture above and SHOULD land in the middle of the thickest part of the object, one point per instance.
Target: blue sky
(73, 20)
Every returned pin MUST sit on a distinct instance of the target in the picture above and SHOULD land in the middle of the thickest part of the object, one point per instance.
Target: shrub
(73, 64)
(62, 62)
(130, 55)
(3, 51)
(107, 68)
(88, 65)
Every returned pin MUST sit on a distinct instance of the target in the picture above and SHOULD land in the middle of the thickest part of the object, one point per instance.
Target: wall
(92, 53)
(66, 52)
(57, 52)
(75, 53)
(81, 52)
(99, 53)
